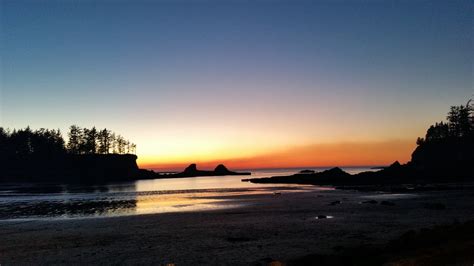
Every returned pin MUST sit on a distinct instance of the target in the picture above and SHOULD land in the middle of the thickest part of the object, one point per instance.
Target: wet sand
(265, 228)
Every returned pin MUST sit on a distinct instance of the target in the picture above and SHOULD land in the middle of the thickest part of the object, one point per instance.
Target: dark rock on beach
(369, 202)
(387, 203)
(434, 206)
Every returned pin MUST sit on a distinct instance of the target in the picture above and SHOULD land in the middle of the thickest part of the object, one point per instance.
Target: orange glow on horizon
(315, 155)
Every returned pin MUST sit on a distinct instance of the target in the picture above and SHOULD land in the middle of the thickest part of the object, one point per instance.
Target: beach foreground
(269, 227)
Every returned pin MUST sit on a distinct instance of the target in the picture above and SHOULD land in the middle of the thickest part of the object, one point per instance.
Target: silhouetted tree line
(24, 142)
(41, 142)
(459, 125)
(93, 141)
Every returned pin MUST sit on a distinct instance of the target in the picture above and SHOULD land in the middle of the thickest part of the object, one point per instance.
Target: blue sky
(200, 76)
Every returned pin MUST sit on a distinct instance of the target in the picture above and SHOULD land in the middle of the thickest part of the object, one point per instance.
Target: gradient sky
(249, 83)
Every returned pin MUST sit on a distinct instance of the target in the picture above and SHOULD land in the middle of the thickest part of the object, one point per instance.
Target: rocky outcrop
(422, 170)
(221, 169)
(192, 168)
(325, 177)
(448, 157)
(192, 171)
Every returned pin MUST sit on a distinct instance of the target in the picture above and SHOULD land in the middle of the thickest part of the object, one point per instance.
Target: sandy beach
(265, 227)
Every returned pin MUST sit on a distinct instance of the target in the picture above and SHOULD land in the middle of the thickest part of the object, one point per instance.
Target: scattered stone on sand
(369, 202)
(434, 206)
(387, 203)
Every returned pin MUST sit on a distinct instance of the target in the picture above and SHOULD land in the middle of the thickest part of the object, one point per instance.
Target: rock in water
(192, 168)
(221, 169)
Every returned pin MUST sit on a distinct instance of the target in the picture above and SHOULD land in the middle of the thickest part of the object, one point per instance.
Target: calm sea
(57, 201)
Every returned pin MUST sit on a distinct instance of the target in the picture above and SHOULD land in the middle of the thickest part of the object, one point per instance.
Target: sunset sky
(253, 84)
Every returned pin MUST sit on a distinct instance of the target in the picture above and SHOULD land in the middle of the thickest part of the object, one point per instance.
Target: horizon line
(274, 168)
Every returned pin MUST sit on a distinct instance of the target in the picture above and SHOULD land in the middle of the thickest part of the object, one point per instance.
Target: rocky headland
(445, 155)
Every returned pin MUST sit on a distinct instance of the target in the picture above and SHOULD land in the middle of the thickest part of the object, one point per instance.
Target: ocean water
(60, 201)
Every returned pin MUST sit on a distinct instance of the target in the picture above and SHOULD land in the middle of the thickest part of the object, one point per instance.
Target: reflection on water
(99, 204)
(33, 201)
(179, 202)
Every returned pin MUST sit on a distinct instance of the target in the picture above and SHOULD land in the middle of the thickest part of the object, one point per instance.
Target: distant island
(446, 154)
(192, 171)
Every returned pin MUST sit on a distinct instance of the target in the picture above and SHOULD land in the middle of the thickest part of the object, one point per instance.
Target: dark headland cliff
(89, 156)
(71, 168)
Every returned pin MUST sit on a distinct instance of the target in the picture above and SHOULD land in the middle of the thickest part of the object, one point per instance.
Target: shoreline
(277, 227)
(130, 203)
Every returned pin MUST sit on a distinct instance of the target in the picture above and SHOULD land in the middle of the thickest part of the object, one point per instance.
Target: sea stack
(221, 169)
